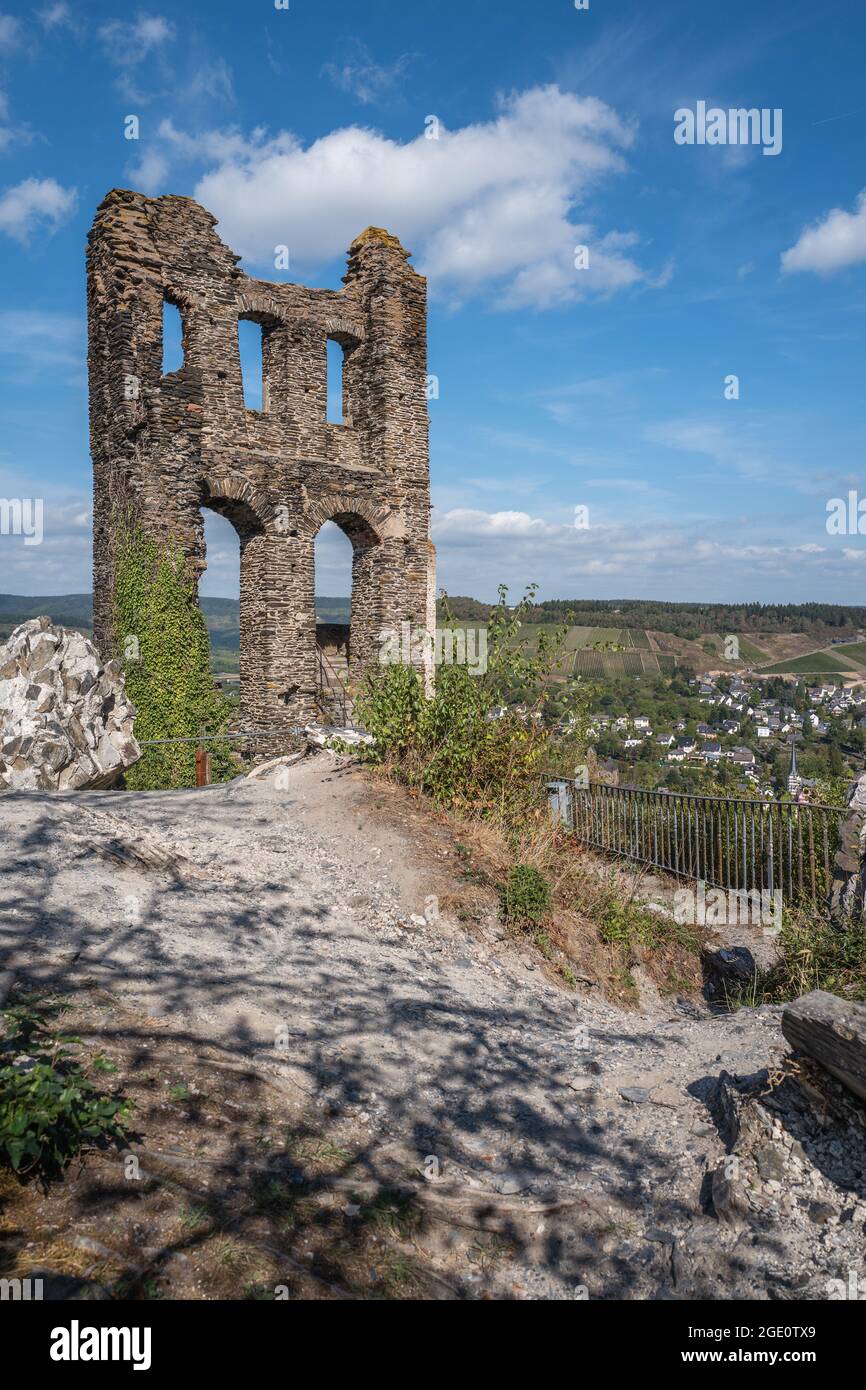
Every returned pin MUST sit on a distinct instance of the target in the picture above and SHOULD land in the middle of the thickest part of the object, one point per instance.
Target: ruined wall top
(143, 251)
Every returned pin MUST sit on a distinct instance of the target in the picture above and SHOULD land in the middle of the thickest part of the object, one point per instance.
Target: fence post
(202, 764)
(558, 803)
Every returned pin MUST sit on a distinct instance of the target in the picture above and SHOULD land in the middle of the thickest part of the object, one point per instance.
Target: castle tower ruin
(165, 446)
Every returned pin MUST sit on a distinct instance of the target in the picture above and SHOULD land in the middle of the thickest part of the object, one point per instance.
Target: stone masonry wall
(167, 445)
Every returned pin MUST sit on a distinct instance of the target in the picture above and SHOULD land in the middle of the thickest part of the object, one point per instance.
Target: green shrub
(49, 1108)
(162, 641)
(526, 896)
(450, 744)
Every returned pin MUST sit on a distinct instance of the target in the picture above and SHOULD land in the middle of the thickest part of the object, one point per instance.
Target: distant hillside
(687, 620)
(221, 616)
(67, 610)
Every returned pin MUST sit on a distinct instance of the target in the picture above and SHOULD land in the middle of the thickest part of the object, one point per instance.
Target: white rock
(53, 736)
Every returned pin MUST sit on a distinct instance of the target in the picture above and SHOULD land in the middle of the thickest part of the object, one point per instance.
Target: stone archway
(248, 511)
(364, 526)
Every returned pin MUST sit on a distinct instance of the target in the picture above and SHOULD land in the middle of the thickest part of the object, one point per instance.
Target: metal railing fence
(727, 842)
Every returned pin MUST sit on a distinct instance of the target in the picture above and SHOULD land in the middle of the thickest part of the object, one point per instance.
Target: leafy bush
(163, 644)
(526, 896)
(49, 1108)
(469, 745)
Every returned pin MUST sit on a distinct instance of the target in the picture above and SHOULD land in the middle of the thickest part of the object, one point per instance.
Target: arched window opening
(219, 598)
(172, 338)
(251, 347)
(333, 562)
(333, 575)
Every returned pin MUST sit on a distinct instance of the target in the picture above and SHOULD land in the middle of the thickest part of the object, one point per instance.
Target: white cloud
(487, 208)
(835, 241)
(34, 204)
(478, 549)
(11, 134)
(129, 42)
(355, 71)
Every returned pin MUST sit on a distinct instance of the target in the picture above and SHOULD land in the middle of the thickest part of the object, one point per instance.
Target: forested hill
(76, 610)
(687, 620)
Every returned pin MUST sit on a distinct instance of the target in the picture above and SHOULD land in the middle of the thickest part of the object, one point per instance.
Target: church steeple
(793, 774)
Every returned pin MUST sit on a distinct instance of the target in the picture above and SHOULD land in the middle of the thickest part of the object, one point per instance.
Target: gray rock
(729, 1196)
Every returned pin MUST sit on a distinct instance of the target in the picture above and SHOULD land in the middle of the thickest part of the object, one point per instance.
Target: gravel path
(285, 919)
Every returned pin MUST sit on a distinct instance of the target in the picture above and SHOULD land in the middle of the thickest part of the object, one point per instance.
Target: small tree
(459, 745)
(163, 644)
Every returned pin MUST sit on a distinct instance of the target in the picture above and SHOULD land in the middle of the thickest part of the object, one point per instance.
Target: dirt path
(276, 918)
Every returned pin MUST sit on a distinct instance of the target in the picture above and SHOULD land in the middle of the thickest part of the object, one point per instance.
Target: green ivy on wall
(162, 642)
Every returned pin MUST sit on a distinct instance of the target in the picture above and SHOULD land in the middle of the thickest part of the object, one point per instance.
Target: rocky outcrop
(65, 721)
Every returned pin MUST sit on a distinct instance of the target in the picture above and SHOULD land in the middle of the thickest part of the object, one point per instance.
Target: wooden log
(833, 1031)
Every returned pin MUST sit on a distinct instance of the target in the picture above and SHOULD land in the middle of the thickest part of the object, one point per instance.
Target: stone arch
(365, 518)
(260, 306)
(364, 524)
(344, 330)
(235, 497)
(252, 516)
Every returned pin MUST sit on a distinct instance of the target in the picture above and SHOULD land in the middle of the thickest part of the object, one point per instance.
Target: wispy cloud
(11, 33)
(128, 42)
(57, 16)
(41, 342)
(354, 70)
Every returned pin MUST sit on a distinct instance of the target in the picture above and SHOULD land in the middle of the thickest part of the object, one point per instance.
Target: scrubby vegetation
(468, 745)
(482, 747)
(50, 1108)
(813, 954)
(162, 641)
(526, 896)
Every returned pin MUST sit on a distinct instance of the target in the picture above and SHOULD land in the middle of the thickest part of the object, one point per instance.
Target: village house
(743, 757)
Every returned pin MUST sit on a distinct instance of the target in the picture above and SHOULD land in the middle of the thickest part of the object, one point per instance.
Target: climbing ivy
(163, 645)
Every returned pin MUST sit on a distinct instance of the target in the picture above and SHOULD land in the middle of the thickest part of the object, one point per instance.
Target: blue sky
(559, 387)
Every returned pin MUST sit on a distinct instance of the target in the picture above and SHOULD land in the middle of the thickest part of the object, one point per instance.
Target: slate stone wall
(165, 446)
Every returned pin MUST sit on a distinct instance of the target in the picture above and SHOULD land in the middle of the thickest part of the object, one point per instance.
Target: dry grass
(596, 932)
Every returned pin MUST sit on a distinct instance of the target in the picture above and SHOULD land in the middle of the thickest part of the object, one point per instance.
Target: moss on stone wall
(162, 642)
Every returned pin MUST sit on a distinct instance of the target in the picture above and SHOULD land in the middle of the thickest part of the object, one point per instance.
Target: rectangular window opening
(172, 338)
(250, 344)
(334, 414)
